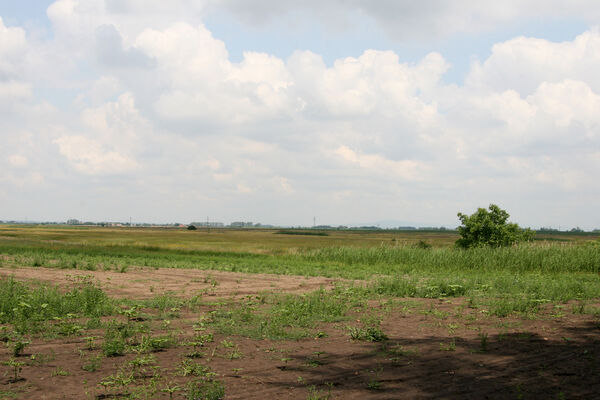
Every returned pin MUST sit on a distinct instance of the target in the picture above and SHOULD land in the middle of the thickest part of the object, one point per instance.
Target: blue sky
(280, 111)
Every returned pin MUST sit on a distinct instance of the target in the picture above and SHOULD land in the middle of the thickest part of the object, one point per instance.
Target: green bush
(490, 228)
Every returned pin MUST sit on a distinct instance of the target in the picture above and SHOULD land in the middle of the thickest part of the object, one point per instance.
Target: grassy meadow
(401, 264)
(382, 275)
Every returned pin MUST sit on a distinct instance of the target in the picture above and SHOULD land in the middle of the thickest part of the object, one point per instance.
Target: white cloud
(376, 164)
(412, 20)
(161, 109)
(14, 91)
(522, 64)
(18, 161)
(89, 157)
(12, 47)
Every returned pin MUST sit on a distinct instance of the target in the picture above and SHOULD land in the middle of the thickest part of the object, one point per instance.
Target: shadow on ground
(511, 366)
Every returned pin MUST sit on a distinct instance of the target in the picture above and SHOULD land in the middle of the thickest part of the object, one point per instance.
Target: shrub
(490, 228)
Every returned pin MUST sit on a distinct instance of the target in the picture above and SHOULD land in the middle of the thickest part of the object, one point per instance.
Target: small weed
(120, 379)
(60, 372)
(41, 359)
(93, 364)
(171, 389)
(315, 394)
(370, 334)
(155, 344)
(451, 346)
(17, 367)
(190, 368)
(374, 385)
(18, 346)
(90, 342)
(113, 347)
(235, 354)
(483, 342)
(204, 390)
(313, 362)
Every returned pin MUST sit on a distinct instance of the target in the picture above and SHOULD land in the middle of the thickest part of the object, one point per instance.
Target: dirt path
(435, 348)
(140, 282)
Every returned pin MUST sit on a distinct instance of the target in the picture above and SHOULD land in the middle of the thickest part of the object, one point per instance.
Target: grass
(493, 282)
(304, 233)
(276, 316)
(29, 306)
(395, 264)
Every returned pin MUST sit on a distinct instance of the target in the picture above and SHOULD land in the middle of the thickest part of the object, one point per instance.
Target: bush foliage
(490, 228)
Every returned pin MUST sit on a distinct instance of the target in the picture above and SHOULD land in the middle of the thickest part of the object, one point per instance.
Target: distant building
(208, 224)
(240, 224)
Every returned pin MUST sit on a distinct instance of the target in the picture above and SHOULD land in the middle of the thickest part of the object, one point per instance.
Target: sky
(278, 111)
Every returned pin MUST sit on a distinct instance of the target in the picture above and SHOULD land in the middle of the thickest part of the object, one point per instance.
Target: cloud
(374, 163)
(18, 161)
(89, 157)
(163, 117)
(522, 64)
(408, 20)
(110, 51)
(12, 91)
(12, 47)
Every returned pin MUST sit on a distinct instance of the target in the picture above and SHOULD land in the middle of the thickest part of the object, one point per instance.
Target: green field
(463, 307)
(401, 264)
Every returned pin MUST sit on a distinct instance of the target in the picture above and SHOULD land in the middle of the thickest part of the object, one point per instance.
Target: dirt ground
(436, 349)
(141, 283)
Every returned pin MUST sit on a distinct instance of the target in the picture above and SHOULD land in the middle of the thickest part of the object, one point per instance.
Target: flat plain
(149, 313)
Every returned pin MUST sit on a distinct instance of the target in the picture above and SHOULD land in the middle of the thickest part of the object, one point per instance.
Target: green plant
(369, 333)
(120, 379)
(450, 346)
(17, 367)
(235, 354)
(374, 385)
(483, 342)
(170, 389)
(315, 394)
(155, 344)
(421, 244)
(18, 346)
(90, 342)
(187, 368)
(490, 228)
(204, 390)
(113, 347)
(60, 372)
(93, 364)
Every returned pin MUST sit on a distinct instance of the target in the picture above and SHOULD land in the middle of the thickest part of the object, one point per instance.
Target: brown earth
(436, 349)
(141, 282)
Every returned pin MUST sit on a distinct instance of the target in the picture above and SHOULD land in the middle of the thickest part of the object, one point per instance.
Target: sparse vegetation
(186, 346)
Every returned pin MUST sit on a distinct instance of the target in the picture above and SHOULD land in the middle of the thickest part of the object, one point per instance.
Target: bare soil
(141, 283)
(436, 349)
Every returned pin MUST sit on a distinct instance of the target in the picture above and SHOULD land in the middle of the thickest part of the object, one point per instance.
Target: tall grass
(524, 258)
(539, 271)
(27, 305)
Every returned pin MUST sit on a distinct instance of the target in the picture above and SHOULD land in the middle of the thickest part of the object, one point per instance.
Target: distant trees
(490, 228)
(191, 228)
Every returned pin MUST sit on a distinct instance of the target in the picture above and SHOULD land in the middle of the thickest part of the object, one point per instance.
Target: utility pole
(207, 225)
(314, 221)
